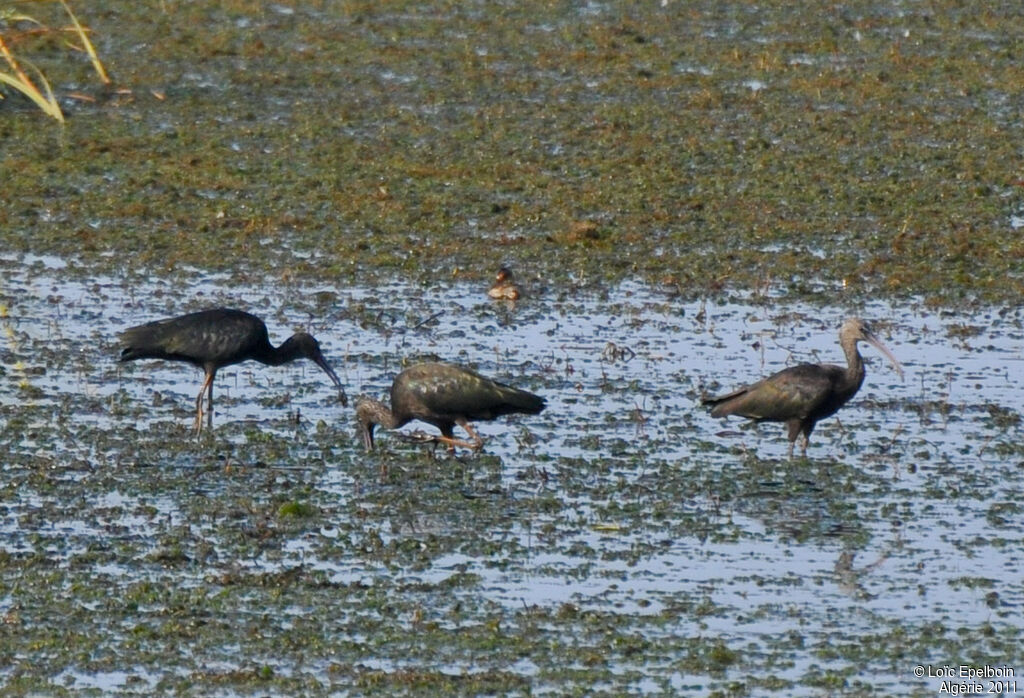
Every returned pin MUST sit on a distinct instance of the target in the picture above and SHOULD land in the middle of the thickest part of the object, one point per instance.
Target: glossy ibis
(443, 395)
(212, 339)
(504, 286)
(802, 395)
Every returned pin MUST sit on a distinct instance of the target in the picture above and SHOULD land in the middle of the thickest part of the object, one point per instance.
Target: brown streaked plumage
(802, 395)
(443, 395)
(504, 286)
(212, 339)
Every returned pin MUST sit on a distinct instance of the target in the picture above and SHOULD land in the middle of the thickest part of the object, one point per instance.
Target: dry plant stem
(11, 61)
(47, 103)
(19, 79)
(23, 83)
(89, 49)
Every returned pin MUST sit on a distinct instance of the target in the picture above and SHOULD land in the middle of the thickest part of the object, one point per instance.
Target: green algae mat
(695, 144)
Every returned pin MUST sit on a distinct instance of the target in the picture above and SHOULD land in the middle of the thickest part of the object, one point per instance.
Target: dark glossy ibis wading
(443, 395)
(212, 339)
(802, 395)
(504, 286)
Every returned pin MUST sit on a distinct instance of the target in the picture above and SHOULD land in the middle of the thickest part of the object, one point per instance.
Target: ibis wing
(792, 393)
(218, 336)
(457, 393)
(224, 339)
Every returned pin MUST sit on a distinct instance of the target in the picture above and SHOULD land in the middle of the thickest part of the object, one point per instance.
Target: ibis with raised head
(803, 395)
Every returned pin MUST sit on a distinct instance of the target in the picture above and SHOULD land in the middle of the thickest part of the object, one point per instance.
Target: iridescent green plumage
(444, 395)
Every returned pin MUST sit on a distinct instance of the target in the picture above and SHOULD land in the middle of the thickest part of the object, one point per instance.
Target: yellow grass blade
(17, 17)
(9, 57)
(48, 103)
(88, 45)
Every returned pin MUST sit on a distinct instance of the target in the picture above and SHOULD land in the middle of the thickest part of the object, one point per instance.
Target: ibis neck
(275, 356)
(376, 412)
(854, 365)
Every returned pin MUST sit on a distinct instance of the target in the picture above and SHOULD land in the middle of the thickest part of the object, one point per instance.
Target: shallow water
(654, 548)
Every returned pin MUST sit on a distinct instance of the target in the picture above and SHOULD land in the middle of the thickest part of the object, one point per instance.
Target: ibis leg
(448, 437)
(478, 443)
(806, 430)
(209, 404)
(795, 427)
(207, 386)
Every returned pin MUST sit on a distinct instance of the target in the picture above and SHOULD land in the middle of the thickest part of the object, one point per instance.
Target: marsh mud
(621, 540)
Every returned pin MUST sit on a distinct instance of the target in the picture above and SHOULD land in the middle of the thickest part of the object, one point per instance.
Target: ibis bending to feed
(504, 286)
(212, 339)
(802, 395)
(443, 395)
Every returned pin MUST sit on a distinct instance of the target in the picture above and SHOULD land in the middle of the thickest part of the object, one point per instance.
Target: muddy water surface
(622, 539)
